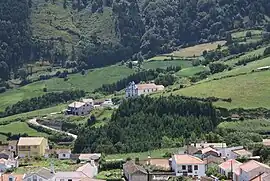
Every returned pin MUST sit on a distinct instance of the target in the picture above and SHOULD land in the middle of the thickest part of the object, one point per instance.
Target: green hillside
(90, 81)
(246, 91)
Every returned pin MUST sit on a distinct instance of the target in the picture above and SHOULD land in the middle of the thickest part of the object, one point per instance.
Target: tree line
(42, 102)
(140, 124)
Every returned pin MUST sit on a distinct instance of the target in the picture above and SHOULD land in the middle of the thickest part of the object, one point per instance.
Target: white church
(134, 90)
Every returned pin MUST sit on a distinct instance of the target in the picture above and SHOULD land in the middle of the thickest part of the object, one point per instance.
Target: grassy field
(190, 71)
(241, 34)
(143, 155)
(92, 80)
(103, 116)
(165, 64)
(258, 126)
(250, 54)
(59, 165)
(36, 113)
(197, 50)
(243, 69)
(20, 128)
(246, 91)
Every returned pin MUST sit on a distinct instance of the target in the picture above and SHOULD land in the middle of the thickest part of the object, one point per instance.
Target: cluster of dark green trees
(42, 102)
(147, 75)
(140, 124)
(144, 28)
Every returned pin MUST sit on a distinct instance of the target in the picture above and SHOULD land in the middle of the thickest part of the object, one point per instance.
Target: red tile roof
(187, 159)
(252, 164)
(230, 164)
(17, 177)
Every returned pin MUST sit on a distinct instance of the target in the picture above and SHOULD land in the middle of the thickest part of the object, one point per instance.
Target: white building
(235, 152)
(81, 108)
(63, 154)
(134, 90)
(187, 165)
(6, 164)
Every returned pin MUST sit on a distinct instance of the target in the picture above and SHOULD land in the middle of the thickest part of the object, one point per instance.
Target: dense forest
(144, 28)
(141, 124)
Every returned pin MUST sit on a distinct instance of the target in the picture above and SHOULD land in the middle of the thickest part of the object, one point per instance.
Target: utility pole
(231, 170)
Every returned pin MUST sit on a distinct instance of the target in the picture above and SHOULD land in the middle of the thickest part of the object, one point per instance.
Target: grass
(253, 53)
(103, 116)
(241, 34)
(243, 69)
(246, 91)
(92, 80)
(3, 138)
(259, 126)
(110, 174)
(165, 64)
(34, 165)
(144, 155)
(20, 128)
(36, 113)
(190, 71)
(197, 50)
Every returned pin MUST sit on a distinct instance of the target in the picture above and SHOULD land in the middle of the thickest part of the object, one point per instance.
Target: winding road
(34, 121)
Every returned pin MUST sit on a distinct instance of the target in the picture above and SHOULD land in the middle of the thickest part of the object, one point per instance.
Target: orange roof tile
(17, 177)
(146, 86)
(252, 164)
(242, 152)
(234, 164)
(187, 159)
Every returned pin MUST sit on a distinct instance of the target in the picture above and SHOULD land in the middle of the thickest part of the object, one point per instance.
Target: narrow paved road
(34, 121)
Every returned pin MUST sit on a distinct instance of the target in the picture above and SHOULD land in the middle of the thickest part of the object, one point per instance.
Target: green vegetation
(110, 174)
(102, 116)
(159, 153)
(92, 80)
(197, 50)
(34, 165)
(36, 113)
(187, 72)
(246, 91)
(20, 128)
(167, 63)
(261, 126)
(242, 34)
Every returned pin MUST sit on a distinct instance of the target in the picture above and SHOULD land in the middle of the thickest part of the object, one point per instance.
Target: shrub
(2, 89)
(45, 89)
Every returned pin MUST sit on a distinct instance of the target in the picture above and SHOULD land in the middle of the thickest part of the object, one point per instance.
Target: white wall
(63, 156)
(146, 91)
(227, 152)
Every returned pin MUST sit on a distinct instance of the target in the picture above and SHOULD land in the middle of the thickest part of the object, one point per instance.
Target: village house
(261, 177)
(12, 147)
(85, 172)
(216, 146)
(188, 165)
(32, 146)
(134, 90)
(87, 157)
(228, 152)
(80, 108)
(133, 172)
(241, 153)
(266, 142)
(63, 154)
(250, 170)
(6, 164)
(206, 152)
(229, 167)
(11, 177)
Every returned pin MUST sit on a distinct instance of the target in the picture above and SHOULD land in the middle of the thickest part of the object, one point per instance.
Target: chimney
(52, 167)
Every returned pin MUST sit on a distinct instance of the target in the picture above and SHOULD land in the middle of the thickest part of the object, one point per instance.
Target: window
(10, 179)
(64, 155)
(29, 179)
(11, 147)
(69, 179)
(184, 167)
(34, 178)
(35, 146)
(189, 168)
(195, 167)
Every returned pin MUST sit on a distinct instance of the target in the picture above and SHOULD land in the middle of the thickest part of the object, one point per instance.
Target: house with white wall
(63, 154)
(6, 164)
(80, 108)
(134, 90)
(188, 165)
